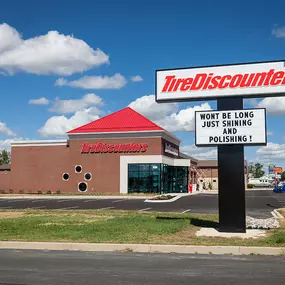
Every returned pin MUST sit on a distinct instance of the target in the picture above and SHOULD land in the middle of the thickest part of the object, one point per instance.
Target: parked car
(280, 188)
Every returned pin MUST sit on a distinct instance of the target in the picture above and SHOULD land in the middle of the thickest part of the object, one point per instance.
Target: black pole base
(232, 217)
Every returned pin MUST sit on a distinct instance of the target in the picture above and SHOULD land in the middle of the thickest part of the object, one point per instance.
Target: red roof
(125, 120)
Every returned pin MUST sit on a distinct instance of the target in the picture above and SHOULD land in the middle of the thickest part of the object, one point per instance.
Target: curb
(144, 248)
(278, 215)
(178, 196)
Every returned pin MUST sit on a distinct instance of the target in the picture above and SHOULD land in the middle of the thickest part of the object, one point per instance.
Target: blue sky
(135, 38)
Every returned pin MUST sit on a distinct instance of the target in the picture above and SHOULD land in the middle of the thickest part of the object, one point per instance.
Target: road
(52, 268)
(259, 204)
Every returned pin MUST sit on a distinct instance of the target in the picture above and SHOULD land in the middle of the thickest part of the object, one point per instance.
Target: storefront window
(157, 178)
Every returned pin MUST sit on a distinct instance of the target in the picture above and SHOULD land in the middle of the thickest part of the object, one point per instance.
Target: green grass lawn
(118, 227)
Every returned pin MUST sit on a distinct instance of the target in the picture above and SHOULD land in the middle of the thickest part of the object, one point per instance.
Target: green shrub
(57, 191)
(48, 192)
(2, 191)
(210, 186)
(40, 192)
(11, 191)
(250, 186)
(21, 191)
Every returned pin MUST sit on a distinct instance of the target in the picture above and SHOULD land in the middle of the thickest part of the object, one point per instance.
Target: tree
(5, 157)
(283, 176)
(258, 170)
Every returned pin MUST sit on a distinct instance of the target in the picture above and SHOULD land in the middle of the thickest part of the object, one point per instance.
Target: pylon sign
(230, 128)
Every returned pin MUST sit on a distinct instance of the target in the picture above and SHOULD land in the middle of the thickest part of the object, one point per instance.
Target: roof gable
(125, 120)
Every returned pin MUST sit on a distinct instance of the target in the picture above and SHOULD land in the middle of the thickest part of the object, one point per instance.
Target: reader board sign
(248, 80)
(243, 127)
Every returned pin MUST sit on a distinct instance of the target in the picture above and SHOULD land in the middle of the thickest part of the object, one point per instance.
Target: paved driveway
(258, 203)
(24, 267)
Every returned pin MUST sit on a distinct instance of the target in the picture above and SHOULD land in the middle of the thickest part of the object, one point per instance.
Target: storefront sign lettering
(114, 148)
(171, 150)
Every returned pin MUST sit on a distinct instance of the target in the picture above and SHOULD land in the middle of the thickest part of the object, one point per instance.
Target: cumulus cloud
(147, 106)
(200, 153)
(53, 53)
(40, 101)
(271, 152)
(5, 130)
(6, 144)
(273, 105)
(168, 115)
(136, 78)
(279, 32)
(116, 81)
(72, 106)
(57, 126)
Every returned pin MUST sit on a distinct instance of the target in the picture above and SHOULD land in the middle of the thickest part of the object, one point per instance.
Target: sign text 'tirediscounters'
(210, 83)
(246, 127)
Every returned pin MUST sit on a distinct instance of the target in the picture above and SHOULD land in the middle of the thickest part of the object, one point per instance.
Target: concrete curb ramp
(190, 249)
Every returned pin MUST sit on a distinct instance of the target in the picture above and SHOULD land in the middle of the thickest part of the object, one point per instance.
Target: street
(27, 267)
(259, 203)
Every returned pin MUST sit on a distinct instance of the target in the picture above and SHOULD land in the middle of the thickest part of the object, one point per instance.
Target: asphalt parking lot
(258, 203)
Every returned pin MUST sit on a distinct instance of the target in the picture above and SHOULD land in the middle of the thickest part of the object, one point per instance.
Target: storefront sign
(209, 83)
(171, 150)
(113, 148)
(246, 127)
(278, 170)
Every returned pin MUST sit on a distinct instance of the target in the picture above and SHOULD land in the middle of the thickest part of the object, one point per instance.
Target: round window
(82, 187)
(78, 168)
(65, 176)
(87, 176)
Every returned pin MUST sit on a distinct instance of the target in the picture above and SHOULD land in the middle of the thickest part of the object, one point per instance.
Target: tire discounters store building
(121, 153)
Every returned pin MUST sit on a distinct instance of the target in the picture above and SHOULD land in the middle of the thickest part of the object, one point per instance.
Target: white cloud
(273, 105)
(200, 153)
(116, 81)
(269, 133)
(147, 106)
(71, 106)
(53, 53)
(136, 78)
(57, 126)
(279, 32)
(40, 101)
(6, 144)
(271, 152)
(167, 115)
(5, 130)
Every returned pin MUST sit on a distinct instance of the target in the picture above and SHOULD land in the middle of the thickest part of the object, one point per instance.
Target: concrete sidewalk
(100, 247)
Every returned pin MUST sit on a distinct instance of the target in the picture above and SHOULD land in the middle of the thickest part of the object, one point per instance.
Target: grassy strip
(119, 227)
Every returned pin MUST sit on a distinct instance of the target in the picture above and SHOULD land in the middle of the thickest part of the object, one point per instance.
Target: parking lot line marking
(67, 208)
(145, 209)
(118, 201)
(105, 208)
(59, 201)
(86, 201)
(10, 207)
(38, 200)
(186, 211)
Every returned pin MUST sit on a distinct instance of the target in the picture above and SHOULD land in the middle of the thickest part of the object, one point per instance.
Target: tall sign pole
(231, 127)
(232, 217)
